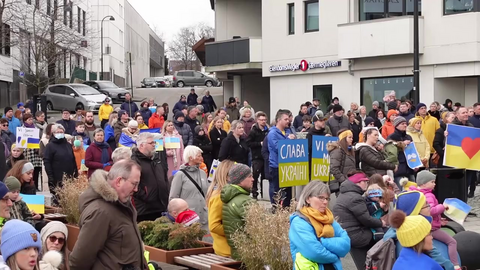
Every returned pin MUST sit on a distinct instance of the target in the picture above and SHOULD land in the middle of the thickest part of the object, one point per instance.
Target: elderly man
(109, 237)
(152, 196)
(121, 153)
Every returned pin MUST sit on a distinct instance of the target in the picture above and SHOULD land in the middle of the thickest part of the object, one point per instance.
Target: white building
(351, 49)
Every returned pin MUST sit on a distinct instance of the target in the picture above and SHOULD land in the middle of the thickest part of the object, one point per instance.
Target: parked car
(160, 82)
(108, 88)
(148, 82)
(73, 95)
(190, 78)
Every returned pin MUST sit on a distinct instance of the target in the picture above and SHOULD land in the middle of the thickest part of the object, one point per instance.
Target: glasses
(5, 125)
(6, 199)
(135, 185)
(54, 239)
(324, 199)
(426, 206)
(152, 143)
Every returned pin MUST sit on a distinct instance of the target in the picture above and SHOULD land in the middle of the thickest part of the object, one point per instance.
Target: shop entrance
(324, 94)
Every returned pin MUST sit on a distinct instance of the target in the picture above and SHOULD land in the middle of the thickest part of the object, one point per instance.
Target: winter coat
(265, 155)
(303, 239)
(179, 106)
(69, 125)
(109, 237)
(373, 114)
(435, 114)
(233, 150)
(430, 124)
(209, 104)
(156, 121)
(204, 143)
(387, 129)
(356, 129)
(174, 155)
(215, 225)
(247, 125)
(407, 116)
(28, 188)
(146, 114)
(129, 106)
(85, 138)
(234, 199)
(8, 138)
(192, 123)
(233, 113)
(3, 161)
(153, 190)
(421, 143)
(3, 264)
(192, 99)
(19, 210)
(41, 127)
(475, 121)
(104, 112)
(217, 137)
(298, 122)
(255, 139)
(117, 130)
(439, 144)
(340, 163)
(338, 123)
(13, 123)
(93, 157)
(274, 136)
(12, 160)
(409, 257)
(316, 132)
(59, 159)
(372, 161)
(353, 215)
(185, 132)
(182, 187)
(395, 152)
(436, 209)
(79, 154)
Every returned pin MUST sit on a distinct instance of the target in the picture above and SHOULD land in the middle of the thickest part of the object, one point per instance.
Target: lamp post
(111, 18)
(416, 51)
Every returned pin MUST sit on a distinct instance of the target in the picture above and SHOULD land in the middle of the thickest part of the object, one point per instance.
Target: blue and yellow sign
(321, 158)
(293, 162)
(462, 147)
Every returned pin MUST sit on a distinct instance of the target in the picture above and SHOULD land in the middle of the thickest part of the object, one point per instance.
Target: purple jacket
(436, 209)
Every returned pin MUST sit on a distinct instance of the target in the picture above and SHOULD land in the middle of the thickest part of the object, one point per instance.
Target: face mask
(59, 136)
(77, 143)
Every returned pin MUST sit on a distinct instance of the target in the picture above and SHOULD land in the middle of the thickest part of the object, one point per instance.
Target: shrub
(68, 197)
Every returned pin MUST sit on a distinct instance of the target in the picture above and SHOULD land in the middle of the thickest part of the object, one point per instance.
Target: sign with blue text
(321, 158)
(293, 162)
(413, 158)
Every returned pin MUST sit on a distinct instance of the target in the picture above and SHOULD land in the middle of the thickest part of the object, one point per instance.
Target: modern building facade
(358, 50)
(157, 55)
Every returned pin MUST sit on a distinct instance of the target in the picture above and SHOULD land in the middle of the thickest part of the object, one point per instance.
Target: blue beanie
(18, 235)
(420, 105)
(410, 202)
(3, 190)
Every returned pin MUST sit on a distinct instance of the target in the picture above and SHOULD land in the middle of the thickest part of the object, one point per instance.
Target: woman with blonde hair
(222, 113)
(207, 119)
(414, 129)
(217, 134)
(174, 155)
(215, 206)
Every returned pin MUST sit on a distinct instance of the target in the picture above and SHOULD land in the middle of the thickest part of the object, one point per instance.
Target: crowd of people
(139, 181)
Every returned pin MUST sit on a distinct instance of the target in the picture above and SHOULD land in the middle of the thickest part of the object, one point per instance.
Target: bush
(264, 240)
(68, 197)
(163, 234)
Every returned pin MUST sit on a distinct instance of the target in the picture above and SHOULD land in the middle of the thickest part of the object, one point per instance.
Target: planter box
(227, 266)
(52, 210)
(73, 232)
(167, 256)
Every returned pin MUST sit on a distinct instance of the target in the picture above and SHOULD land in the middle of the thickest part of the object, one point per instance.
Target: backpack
(381, 256)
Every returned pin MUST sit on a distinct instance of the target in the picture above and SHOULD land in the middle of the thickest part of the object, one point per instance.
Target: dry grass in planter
(68, 197)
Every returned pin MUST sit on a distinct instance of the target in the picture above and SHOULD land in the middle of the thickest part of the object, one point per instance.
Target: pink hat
(358, 177)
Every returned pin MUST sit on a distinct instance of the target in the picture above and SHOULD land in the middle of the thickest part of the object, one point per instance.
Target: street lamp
(111, 18)
(416, 52)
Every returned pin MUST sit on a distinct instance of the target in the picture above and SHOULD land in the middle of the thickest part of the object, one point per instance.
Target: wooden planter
(52, 210)
(227, 266)
(167, 256)
(73, 232)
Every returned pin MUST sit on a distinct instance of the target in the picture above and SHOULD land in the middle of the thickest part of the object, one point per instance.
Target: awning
(199, 48)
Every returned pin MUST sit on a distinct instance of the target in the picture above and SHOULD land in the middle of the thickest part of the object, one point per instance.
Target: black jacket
(192, 123)
(204, 143)
(353, 215)
(28, 188)
(209, 104)
(435, 114)
(192, 99)
(403, 169)
(153, 190)
(298, 121)
(3, 161)
(217, 138)
(254, 141)
(58, 159)
(372, 161)
(234, 151)
(11, 158)
(8, 138)
(69, 125)
(315, 132)
(439, 143)
(373, 114)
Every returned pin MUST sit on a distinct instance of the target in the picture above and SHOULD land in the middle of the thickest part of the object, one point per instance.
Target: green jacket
(234, 199)
(19, 210)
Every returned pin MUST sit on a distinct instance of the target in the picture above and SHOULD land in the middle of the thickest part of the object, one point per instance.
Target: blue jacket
(407, 116)
(274, 135)
(179, 106)
(146, 114)
(439, 253)
(13, 124)
(475, 120)
(409, 257)
(303, 239)
(131, 108)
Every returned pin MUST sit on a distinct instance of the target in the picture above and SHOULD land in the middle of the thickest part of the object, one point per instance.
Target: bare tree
(180, 48)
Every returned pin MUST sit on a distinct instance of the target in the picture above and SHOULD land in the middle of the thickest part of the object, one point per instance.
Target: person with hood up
(414, 129)
(338, 121)
(430, 124)
(235, 197)
(145, 112)
(298, 122)
(388, 127)
(190, 183)
(157, 120)
(232, 110)
(342, 156)
(448, 105)
(99, 154)
(234, 147)
(132, 130)
(202, 141)
(174, 155)
(316, 239)
(183, 129)
(180, 104)
(54, 238)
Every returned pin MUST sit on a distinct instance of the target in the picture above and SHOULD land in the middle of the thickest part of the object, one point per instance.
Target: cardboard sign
(413, 158)
(172, 142)
(28, 138)
(158, 145)
(321, 158)
(35, 202)
(293, 162)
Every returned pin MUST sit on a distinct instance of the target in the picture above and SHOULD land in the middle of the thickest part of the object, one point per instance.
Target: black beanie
(7, 109)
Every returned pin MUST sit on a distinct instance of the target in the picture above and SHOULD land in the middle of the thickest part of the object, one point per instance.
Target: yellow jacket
(226, 126)
(421, 143)
(430, 124)
(215, 225)
(104, 112)
(143, 126)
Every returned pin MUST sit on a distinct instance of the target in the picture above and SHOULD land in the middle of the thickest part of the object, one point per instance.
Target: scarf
(322, 223)
(105, 156)
(29, 126)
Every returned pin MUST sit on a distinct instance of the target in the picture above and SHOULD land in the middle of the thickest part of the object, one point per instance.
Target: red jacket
(156, 121)
(93, 158)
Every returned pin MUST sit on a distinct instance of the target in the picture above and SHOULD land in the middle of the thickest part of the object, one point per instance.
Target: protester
(6, 135)
(226, 124)
(141, 124)
(121, 153)
(335, 101)
(298, 122)
(369, 123)
(13, 122)
(395, 150)
(232, 110)
(246, 115)
(380, 120)
(439, 140)
(190, 183)
(208, 103)
(429, 124)
(202, 141)
(315, 108)
(109, 237)
(414, 130)
(234, 147)
(434, 110)
(338, 121)
(54, 238)
(80, 132)
(129, 106)
(98, 155)
(104, 112)
(145, 112)
(183, 129)
(20, 246)
(157, 120)
(388, 127)
(68, 124)
(375, 109)
(79, 115)
(405, 112)
(206, 120)
(255, 141)
(448, 105)
(342, 156)
(79, 153)
(19, 209)
(235, 197)
(319, 128)
(40, 122)
(174, 155)
(109, 130)
(371, 156)
(16, 154)
(191, 118)
(217, 135)
(179, 105)
(316, 239)
(132, 130)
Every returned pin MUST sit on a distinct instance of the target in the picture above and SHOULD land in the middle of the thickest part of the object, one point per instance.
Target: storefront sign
(304, 66)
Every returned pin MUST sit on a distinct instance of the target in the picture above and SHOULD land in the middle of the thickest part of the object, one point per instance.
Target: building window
(49, 7)
(458, 6)
(372, 10)
(375, 89)
(79, 19)
(84, 22)
(291, 19)
(311, 16)
(324, 94)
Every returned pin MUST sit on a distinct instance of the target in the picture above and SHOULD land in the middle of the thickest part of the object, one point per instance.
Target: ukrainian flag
(125, 141)
(35, 202)
(462, 148)
(151, 130)
(33, 143)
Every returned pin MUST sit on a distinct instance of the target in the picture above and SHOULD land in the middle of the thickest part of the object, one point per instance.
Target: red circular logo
(304, 65)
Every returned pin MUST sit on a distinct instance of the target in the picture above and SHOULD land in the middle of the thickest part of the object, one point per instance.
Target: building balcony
(382, 37)
(234, 54)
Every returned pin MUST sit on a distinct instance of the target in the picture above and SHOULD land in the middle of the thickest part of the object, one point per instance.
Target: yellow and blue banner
(293, 162)
(35, 203)
(158, 145)
(457, 209)
(125, 141)
(413, 158)
(28, 138)
(462, 148)
(172, 142)
(151, 130)
(321, 158)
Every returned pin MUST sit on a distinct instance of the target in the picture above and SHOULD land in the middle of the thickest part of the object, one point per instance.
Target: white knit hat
(52, 227)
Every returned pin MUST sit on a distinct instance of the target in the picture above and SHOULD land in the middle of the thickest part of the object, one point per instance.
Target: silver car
(191, 77)
(72, 96)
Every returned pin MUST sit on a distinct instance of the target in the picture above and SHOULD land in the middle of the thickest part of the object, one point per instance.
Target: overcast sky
(171, 15)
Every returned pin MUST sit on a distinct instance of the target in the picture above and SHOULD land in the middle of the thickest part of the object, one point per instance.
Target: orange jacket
(156, 121)
(79, 154)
